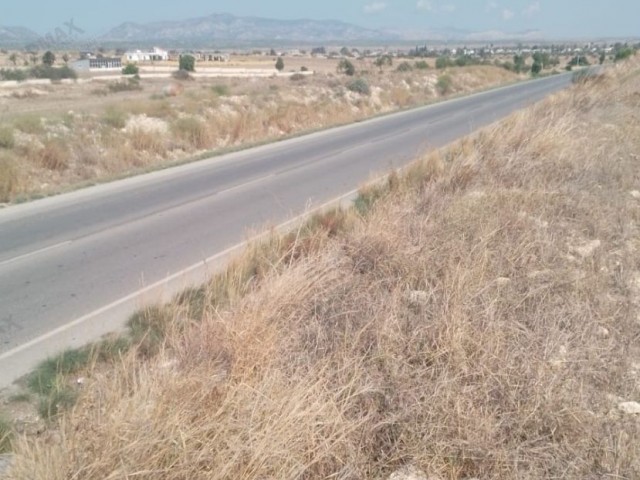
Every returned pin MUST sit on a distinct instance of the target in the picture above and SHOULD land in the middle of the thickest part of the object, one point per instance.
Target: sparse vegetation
(475, 319)
(7, 139)
(104, 141)
(422, 65)
(6, 435)
(128, 85)
(192, 131)
(360, 86)
(444, 84)
(404, 67)
(221, 90)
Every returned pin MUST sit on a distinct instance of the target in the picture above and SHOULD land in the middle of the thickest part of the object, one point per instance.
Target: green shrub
(193, 131)
(7, 139)
(623, 54)
(187, 63)
(29, 124)
(444, 84)
(131, 69)
(404, 67)
(15, 74)
(53, 73)
(345, 66)
(114, 117)
(221, 90)
(422, 65)
(360, 86)
(304, 69)
(443, 62)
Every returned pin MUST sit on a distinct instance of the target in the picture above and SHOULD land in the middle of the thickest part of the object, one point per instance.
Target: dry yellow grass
(205, 115)
(480, 319)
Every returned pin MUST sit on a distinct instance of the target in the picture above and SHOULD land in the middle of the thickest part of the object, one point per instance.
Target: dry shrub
(54, 155)
(10, 178)
(192, 131)
(146, 141)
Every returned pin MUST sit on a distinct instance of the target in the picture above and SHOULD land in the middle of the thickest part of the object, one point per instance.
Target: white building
(156, 55)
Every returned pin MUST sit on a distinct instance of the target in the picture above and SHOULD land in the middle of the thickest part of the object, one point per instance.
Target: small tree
(603, 57)
(187, 63)
(280, 64)
(49, 58)
(536, 68)
(13, 58)
(130, 69)
(345, 66)
(65, 58)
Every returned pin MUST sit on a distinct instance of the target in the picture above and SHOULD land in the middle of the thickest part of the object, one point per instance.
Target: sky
(555, 18)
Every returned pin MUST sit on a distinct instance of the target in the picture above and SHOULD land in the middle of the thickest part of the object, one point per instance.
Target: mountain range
(16, 36)
(225, 30)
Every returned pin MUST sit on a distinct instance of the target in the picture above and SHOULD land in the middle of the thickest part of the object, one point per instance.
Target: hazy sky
(556, 18)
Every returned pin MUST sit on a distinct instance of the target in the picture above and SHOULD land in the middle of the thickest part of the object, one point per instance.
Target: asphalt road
(67, 262)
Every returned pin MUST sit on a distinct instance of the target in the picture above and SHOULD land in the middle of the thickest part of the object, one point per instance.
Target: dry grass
(10, 178)
(211, 115)
(477, 319)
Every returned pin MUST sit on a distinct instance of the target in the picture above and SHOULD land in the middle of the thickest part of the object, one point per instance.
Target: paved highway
(70, 264)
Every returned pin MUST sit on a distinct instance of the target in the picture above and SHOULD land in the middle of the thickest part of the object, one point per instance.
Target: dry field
(58, 137)
(477, 316)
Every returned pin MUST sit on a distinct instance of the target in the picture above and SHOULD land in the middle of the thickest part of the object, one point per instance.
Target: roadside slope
(477, 317)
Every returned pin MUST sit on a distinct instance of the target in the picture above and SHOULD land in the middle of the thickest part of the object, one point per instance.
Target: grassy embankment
(476, 317)
(117, 133)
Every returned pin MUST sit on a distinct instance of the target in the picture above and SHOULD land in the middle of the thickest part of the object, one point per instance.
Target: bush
(15, 74)
(536, 68)
(129, 85)
(7, 139)
(623, 54)
(422, 65)
(444, 84)
(192, 131)
(54, 155)
(48, 59)
(115, 118)
(297, 77)
(304, 69)
(131, 69)
(53, 73)
(345, 66)
(187, 63)
(404, 67)
(442, 62)
(181, 75)
(29, 124)
(280, 64)
(360, 86)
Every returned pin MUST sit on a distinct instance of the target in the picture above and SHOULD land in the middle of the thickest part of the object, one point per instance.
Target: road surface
(74, 266)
